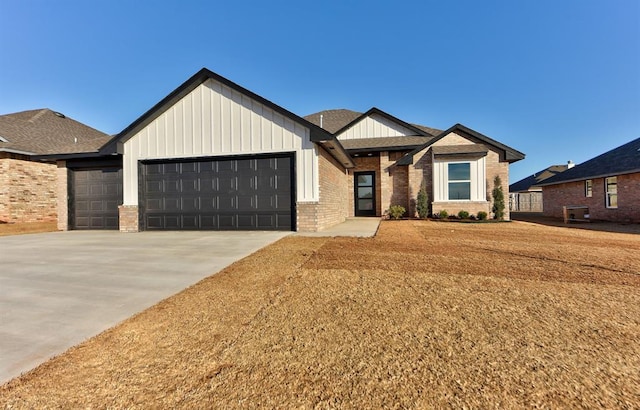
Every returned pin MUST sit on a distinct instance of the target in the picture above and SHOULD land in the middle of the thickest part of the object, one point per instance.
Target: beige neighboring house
(526, 196)
(28, 187)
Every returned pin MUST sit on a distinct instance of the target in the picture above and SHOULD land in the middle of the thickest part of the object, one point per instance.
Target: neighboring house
(526, 196)
(214, 155)
(28, 187)
(608, 185)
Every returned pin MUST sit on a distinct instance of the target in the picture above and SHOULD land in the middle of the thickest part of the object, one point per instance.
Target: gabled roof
(43, 131)
(339, 120)
(532, 180)
(510, 154)
(622, 160)
(317, 134)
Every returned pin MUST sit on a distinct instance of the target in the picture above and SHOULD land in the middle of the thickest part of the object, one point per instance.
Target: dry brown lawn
(424, 315)
(23, 228)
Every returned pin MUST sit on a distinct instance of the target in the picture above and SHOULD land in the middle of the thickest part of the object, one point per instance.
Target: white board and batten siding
(215, 120)
(375, 126)
(478, 168)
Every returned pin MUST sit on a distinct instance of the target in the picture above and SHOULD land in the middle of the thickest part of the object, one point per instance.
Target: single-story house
(27, 186)
(526, 196)
(214, 155)
(607, 185)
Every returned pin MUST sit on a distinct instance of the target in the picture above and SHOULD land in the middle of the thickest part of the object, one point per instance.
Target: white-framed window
(611, 189)
(459, 181)
(588, 188)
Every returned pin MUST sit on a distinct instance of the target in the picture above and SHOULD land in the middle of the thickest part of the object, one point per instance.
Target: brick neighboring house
(609, 185)
(28, 187)
(214, 155)
(526, 196)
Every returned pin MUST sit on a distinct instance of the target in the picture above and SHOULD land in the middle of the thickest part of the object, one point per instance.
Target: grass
(424, 315)
(7, 229)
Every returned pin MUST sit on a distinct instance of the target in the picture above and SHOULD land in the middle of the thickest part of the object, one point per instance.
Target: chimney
(570, 164)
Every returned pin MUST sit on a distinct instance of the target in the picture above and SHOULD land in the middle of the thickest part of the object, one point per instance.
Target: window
(611, 187)
(459, 181)
(588, 188)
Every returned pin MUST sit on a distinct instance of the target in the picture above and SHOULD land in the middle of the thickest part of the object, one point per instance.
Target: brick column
(129, 218)
(62, 192)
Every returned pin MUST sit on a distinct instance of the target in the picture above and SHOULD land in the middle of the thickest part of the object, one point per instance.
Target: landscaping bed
(423, 315)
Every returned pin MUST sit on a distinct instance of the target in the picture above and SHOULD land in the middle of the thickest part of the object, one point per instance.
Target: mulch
(423, 315)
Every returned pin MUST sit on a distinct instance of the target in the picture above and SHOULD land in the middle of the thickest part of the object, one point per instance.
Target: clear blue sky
(558, 80)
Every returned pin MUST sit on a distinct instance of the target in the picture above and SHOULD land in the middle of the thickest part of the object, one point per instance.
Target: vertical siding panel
(236, 122)
(206, 120)
(225, 119)
(216, 118)
(256, 127)
(187, 124)
(278, 123)
(196, 119)
(267, 129)
(245, 116)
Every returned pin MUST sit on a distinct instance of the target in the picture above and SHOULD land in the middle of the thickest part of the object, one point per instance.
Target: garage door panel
(225, 194)
(95, 195)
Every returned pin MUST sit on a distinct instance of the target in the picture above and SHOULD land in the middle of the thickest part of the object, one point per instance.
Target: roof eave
(337, 151)
(584, 178)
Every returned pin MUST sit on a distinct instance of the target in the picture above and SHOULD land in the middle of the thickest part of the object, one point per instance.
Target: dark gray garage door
(219, 194)
(94, 198)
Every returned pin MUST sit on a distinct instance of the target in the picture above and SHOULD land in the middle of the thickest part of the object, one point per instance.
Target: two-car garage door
(218, 194)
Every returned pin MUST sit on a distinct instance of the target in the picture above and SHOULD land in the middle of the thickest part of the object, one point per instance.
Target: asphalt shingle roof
(43, 131)
(526, 183)
(622, 160)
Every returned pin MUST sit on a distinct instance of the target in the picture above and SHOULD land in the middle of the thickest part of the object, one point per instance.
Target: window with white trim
(588, 188)
(611, 189)
(459, 181)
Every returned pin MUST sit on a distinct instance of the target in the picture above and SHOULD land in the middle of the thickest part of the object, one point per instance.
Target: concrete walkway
(358, 227)
(58, 289)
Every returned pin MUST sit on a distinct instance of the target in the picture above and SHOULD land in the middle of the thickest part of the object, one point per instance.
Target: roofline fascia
(611, 174)
(17, 151)
(317, 134)
(74, 155)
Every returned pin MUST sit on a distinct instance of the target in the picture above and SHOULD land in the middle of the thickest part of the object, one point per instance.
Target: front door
(365, 193)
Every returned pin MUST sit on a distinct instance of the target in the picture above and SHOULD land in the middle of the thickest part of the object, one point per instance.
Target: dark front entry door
(365, 193)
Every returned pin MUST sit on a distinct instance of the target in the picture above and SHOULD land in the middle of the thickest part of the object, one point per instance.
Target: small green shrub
(482, 215)
(463, 214)
(498, 199)
(443, 214)
(396, 211)
(422, 205)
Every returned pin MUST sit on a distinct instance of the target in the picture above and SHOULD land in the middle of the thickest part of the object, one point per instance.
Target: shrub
(498, 199)
(482, 215)
(396, 211)
(443, 214)
(463, 214)
(472, 217)
(423, 203)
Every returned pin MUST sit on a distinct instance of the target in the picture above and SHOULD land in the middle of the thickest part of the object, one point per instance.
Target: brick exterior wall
(128, 218)
(573, 193)
(334, 197)
(420, 173)
(27, 190)
(62, 184)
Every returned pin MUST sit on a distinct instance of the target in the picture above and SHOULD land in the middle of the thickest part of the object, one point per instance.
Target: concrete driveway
(58, 289)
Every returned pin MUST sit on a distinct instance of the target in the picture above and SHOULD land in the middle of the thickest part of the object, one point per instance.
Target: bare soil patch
(424, 315)
(7, 229)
